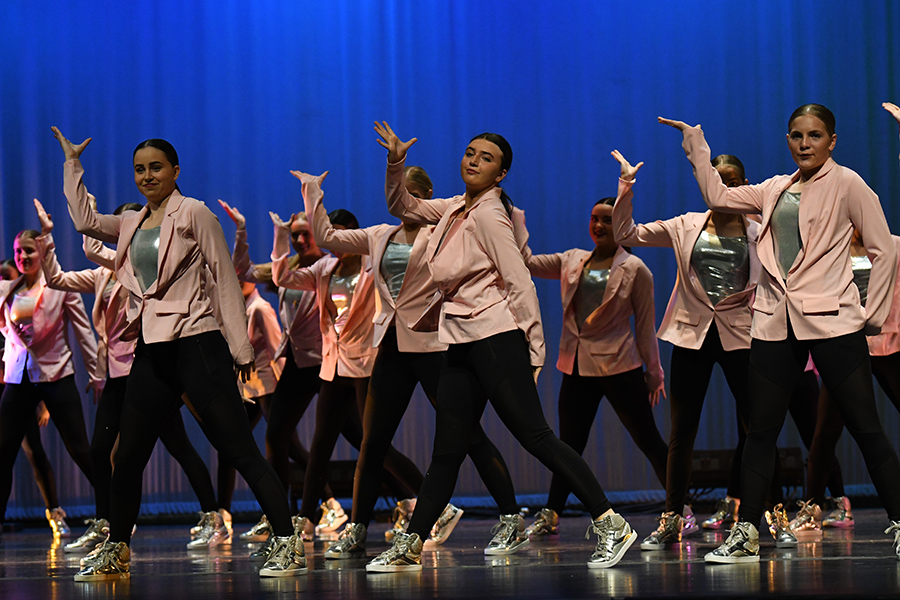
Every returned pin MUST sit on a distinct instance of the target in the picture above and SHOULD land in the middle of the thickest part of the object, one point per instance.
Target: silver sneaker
(742, 546)
(111, 563)
(807, 524)
(445, 525)
(404, 556)
(841, 517)
(780, 528)
(350, 544)
(895, 529)
(97, 531)
(287, 558)
(725, 516)
(303, 527)
(614, 537)
(212, 532)
(509, 536)
(546, 524)
(57, 520)
(402, 514)
(668, 532)
(333, 516)
(689, 522)
(262, 553)
(259, 532)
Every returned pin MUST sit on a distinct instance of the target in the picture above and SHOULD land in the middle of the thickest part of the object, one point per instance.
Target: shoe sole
(104, 577)
(839, 524)
(345, 555)
(507, 551)
(631, 539)
(207, 546)
(291, 573)
(730, 560)
(785, 544)
(393, 568)
(451, 525)
(254, 538)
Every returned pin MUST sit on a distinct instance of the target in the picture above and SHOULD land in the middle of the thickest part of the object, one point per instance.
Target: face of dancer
(417, 190)
(25, 254)
(302, 238)
(8, 273)
(601, 228)
(731, 176)
(480, 167)
(810, 143)
(154, 175)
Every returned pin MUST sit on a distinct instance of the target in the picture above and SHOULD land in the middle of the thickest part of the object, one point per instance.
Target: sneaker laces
(281, 552)
(603, 528)
(895, 529)
(502, 531)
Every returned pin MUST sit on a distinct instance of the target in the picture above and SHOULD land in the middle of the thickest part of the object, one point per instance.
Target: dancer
(165, 255)
(489, 316)
(345, 293)
(599, 355)
(405, 358)
(806, 303)
(114, 358)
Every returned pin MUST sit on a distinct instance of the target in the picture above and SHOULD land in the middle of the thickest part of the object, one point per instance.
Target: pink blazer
(299, 317)
(819, 296)
(48, 356)
(888, 341)
(417, 290)
(690, 312)
(351, 354)
(192, 248)
(265, 337)
(484, 287)
(605, 344)
(114, 356)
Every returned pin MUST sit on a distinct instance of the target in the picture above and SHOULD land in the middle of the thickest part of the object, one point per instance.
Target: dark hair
(418, 176)
(8, 262)
(505, 161)
(609, 201)
(342, 216)
(816, 110)
(164, 147)
(127, 206)
(731, 161)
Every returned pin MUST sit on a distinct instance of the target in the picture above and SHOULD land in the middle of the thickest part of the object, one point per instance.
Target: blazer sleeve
(494, 234)
(81, 282)
(295, 279)
(404, 205)
(645, 325)
(349, 241)
(87, 221)
(98, 253)
(245, 268)
(626, 232)
(74, 309)
(744, 199)
(545, 266)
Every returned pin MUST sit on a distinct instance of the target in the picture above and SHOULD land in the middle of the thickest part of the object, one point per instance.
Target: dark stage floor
(854, 563)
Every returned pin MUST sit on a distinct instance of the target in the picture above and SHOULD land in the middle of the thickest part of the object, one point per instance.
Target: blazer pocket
(172, 307)
(458, 309)
(764, 305)
(687, 317)
(821, 306)
(740, 320)
(380, 318)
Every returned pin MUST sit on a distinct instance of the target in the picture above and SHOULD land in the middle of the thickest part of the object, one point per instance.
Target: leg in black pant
(887, 371)
(225, 473)
(175, 439)
(40, 465)
(106, 430)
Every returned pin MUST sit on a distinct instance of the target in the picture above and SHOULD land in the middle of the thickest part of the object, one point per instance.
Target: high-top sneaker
(212, 532)
(57, 519)
(742, 546)
(780, 527)
(333, 516)
(402, 514)
(546, 524)
(404, 556)
(725, 516)
(614, 537)
(97, 531)
(287, 558)
(807, 524)
(509, 536)
(259, 532)
(112, 563)
(840, 517)
(350, 544)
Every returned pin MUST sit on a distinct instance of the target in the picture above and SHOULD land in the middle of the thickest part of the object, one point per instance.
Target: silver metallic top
(589, 295)
(862, 267)
(393, 266)
(145, 256)
(786, 230)
(341, 288)
(722, 264)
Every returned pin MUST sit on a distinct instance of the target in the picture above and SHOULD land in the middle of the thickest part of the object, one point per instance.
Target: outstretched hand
(893, 109)
(628, 172)
(235, 214)
(43, 217)
(69, 149)
(679, 125)
(306, 178)
(396, 149)
(276, 220)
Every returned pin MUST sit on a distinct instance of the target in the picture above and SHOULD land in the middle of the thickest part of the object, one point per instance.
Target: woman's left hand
(893, 109)
(628, 172)
(43, 217)
(307, 178)
(43, 415)
(657, 395)
(243, 371)
(96, 386)
(276, 220)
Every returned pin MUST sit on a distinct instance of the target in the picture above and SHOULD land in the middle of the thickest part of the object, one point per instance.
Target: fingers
(618, 156)
(297, 174)
(276, 219)
(638, 166)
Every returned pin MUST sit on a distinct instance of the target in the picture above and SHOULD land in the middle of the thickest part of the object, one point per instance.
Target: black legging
(495, 368)
(338, 412)
(689, 375)
(172, 434)
(579, 399)
(202, 367)
(40, 464)
(394, 378)
(17, 411)
(843, 363)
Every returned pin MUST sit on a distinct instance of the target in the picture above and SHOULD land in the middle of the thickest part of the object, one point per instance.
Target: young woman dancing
(805, 304)
(486, 309)
(405, 358)
(166, 254)
(599, 354)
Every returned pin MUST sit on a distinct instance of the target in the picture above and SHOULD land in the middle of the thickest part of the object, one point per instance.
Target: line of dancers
(776, 282)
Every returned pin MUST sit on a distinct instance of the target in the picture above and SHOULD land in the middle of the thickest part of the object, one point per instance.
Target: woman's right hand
(69, 149)
(893, 109)
(396, 149)
(276, 220)
(235, 214)
(43, 217)
(679, 125)
(628, 172)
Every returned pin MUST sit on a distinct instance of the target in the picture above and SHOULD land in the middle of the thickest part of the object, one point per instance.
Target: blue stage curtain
(248, 90)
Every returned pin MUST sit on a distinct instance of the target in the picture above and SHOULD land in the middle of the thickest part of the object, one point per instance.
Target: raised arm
(81, 282)
(246, 269)
(645, 333)
(893, 109)
(98, 253)
(348, 241)
(86, 220)
(282, 275)
(625, 231)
